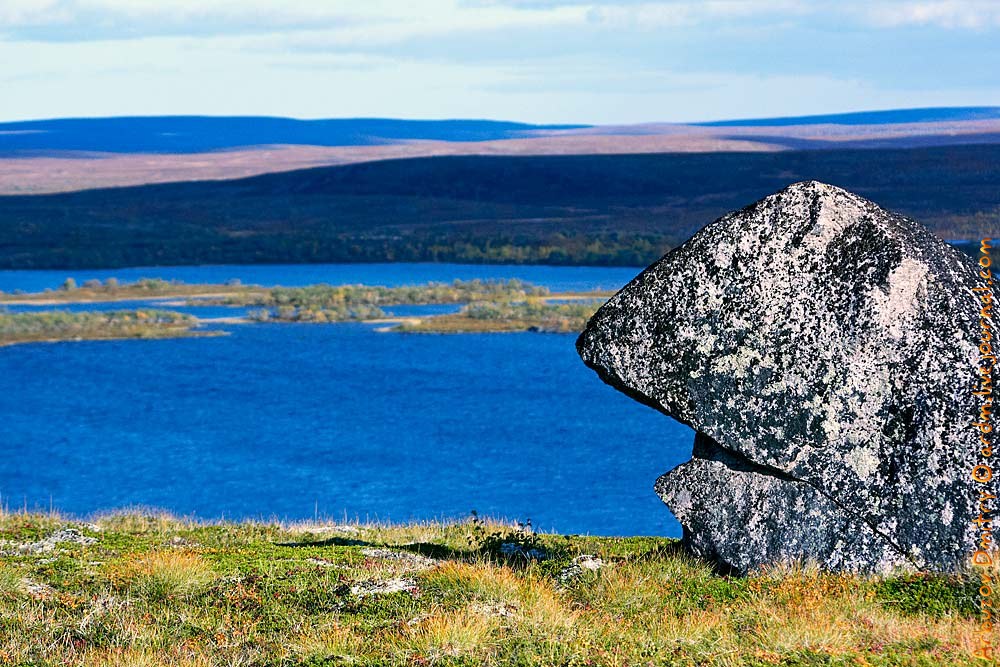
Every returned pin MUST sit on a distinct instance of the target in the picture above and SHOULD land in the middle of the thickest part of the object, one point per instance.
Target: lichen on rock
(824, 351)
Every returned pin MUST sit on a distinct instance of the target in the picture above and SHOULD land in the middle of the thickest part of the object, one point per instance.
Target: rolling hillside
(191, 134)
(592, 209)
(882, 117)
(67, 155)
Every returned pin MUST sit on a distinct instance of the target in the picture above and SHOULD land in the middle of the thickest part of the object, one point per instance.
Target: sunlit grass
(161, 575)
(157, 590)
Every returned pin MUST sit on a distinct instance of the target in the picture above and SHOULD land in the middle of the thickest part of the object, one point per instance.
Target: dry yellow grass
(156, 591)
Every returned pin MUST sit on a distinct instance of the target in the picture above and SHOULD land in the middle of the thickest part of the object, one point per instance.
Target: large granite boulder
(824, 351)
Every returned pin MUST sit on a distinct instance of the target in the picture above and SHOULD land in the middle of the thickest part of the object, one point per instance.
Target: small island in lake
(62, 325)
(483, 307)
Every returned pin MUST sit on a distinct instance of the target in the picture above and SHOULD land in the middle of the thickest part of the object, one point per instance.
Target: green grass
(158, 590)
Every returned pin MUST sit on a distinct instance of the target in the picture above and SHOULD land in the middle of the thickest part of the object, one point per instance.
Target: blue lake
(290, 420)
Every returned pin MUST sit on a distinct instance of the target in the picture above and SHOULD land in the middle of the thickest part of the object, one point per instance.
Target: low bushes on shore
(66, 325)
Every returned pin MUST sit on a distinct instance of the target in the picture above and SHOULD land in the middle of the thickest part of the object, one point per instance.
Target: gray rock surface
(48, 544)
(824, 351)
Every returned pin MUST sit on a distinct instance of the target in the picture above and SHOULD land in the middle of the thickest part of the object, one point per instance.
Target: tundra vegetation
(337, 303)
(532, 314)
(487, 305)
(624, 210)
(312, 297)
(151, 589)
(65, 325)
(113, 290)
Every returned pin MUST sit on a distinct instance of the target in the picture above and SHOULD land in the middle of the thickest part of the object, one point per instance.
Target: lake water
(290, 420)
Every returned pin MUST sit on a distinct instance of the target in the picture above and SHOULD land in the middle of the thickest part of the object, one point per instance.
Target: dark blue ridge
(928, 115)
(187, 134)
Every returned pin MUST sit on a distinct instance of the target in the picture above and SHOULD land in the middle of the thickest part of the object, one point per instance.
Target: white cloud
(382, 21)
(431, 25)
(226, 76)
(538, 60)
(378, 20)
(951, 14)
(655, 15)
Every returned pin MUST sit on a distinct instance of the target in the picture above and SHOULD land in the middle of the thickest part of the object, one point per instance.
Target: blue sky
(527, 60)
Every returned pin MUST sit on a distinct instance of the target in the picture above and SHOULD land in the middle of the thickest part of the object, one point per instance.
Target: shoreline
(83, 339)
(35, 299)
(163, 299)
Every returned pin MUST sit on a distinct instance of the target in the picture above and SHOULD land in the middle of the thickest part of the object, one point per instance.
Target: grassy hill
(574, 209)
(148, 589)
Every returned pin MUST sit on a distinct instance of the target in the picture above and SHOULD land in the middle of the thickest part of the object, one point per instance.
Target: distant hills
(65, 155)
(891, 116)
(194, 134)
(245, 189)
(567, 209)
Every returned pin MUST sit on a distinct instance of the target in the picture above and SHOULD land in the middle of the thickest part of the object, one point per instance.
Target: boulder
(824, 351)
